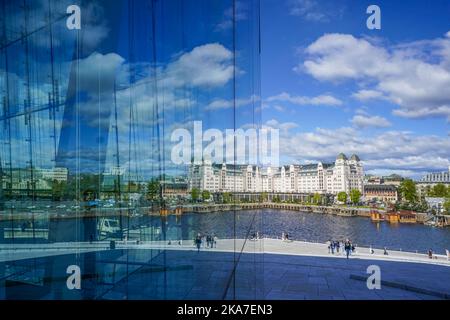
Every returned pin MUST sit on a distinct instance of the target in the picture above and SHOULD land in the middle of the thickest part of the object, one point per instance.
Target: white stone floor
(267, 269)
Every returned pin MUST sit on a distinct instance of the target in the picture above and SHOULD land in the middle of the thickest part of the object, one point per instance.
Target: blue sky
(336, 86)
(327, 82)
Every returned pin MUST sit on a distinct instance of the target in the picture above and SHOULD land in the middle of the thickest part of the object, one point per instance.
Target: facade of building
(429, 180)
(393, 180)
(381, 192)
(58, 174)
(435, 178)
(435, 204)
(25, 178)
(325, 178)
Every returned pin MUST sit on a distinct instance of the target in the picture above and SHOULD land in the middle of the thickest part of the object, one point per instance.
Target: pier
(335, 210)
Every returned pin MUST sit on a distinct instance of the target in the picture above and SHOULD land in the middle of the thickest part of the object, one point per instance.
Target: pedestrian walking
(385, 251)
(430, 253)
(208, 240)
(347, 247)
(198, 242)
(215, 241)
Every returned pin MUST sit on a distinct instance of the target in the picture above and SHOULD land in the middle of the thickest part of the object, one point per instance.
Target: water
(268, 222)
(320, 228)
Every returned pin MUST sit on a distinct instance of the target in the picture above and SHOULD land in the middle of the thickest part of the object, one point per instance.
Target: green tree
(58, 189)
(226, 197)
(342, 197)
(317, 198)
(408, 190)
(206, 195)
(447, 206)
(276, 199)
(439, 190)
(263, 197)
(153, 190)
(355, 196)
(195, 194)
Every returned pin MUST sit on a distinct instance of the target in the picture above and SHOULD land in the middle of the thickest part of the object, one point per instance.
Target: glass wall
(91, 179)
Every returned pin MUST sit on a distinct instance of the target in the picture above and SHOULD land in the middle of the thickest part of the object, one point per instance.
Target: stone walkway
(267, 269)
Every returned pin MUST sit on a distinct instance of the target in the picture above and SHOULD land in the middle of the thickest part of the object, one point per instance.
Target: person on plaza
(198, 242)
(332, 247)
(430, 253)
(208, 240)
(385, 251)
(337, 246)
(371, 250)
(329, 246)
(204, 241)
(347, 247)
(215, 241)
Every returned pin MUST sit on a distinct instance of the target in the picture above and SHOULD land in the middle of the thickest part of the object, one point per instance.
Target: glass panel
(89, 124)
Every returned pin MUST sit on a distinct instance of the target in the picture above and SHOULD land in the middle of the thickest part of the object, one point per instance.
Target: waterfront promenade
(267, 245)
(263, 269)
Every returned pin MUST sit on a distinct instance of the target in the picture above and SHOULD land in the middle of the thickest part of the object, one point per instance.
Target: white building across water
(342, 175)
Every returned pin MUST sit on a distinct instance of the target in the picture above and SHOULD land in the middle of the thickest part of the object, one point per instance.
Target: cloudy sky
(340, 87)
(326, 81)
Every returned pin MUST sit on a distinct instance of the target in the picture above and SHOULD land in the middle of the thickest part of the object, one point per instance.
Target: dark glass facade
(86, 119)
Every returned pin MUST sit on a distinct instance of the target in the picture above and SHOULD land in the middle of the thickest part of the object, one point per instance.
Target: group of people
(335, 246)
(255, 236)
(209, 239)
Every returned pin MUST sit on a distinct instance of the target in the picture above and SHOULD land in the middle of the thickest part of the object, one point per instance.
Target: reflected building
(328, 178)
(86, 117)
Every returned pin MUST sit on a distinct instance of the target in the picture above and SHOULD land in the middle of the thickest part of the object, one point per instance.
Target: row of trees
(441, 191)
(355, 196)
(407, 192)
(412, 201)
(195, 194)
(315, 199)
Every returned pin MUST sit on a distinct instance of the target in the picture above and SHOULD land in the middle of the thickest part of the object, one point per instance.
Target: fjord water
(312, 227)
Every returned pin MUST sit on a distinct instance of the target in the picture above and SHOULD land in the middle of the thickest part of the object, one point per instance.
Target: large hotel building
(342, 175)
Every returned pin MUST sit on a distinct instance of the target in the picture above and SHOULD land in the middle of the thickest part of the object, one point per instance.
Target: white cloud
(410, 75)
(284, 127)
(364, 95)
(279, 108)
(391, 150)
(364, 121)
(327, 100)
(308, 10)
(239, 13)
(98, 71)
(218, 104)
(209, 65)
